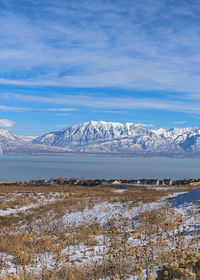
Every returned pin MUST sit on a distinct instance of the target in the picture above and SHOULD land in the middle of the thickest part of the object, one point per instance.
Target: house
(116, 182)
(167, 182)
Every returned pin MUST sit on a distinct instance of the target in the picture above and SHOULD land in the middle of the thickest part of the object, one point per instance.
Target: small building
(116, 182)
(167, 182)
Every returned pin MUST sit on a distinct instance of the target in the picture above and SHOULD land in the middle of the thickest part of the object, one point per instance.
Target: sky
(65, 62)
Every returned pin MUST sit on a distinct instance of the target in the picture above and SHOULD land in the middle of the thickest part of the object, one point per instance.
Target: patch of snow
(119, 191)
(103, 212)
(9, 211)
(188, 205)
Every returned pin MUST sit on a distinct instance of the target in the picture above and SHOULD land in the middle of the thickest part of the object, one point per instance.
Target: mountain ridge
(100, 137)
(115, 137)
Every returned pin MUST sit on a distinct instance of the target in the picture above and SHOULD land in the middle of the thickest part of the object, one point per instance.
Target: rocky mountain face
(188, 139)
(128, 138)
(106, 138)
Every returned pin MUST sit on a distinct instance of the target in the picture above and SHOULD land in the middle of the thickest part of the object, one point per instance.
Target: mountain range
(99, 137)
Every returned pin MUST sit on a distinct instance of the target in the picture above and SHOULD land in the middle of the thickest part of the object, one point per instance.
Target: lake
(90, 167)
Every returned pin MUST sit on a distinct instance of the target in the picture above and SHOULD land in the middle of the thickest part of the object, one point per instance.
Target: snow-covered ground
(187, 204)
(103, 212)
(119, 191)
(40, 199)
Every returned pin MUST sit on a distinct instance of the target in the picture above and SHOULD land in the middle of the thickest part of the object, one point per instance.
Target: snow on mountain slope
(177, 134)
(12, 144)
(92, 133)
(9, 136)
(5, 134)
(109, 137)
(187, 138)
(106, 137)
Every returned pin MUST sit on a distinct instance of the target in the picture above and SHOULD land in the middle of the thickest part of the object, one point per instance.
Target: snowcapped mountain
(106, 138)
(127, 138)
(91, 133)
(13, 144)
(187, 138)
(5, 134)
(6, 139)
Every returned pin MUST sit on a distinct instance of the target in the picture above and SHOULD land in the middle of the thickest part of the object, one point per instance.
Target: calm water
(44, 167)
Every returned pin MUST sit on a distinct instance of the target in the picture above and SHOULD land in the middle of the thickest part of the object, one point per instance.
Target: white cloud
(98, 102)
(137, 44)
(60, 109)
(12, 109)
(180, 122)
(4, 123)
(144, 125)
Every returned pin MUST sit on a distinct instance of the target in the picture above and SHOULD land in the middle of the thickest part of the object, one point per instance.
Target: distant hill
(12, 144)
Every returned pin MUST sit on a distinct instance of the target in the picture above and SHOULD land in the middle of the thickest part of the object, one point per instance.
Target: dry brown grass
(39, 245)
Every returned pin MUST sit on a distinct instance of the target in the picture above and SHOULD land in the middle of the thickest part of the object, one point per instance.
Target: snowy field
(76, 232)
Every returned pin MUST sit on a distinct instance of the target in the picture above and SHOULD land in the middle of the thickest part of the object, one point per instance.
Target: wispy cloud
(193, 96)
(98, 102)
(146, 44)
(5, 108)
(60, 109)
(180, 122)
(144, 125)
(128, 60)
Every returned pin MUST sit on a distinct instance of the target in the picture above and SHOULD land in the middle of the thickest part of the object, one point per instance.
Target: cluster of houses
(102, 182)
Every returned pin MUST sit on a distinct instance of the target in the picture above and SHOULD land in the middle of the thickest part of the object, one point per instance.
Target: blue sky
(65, 62)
